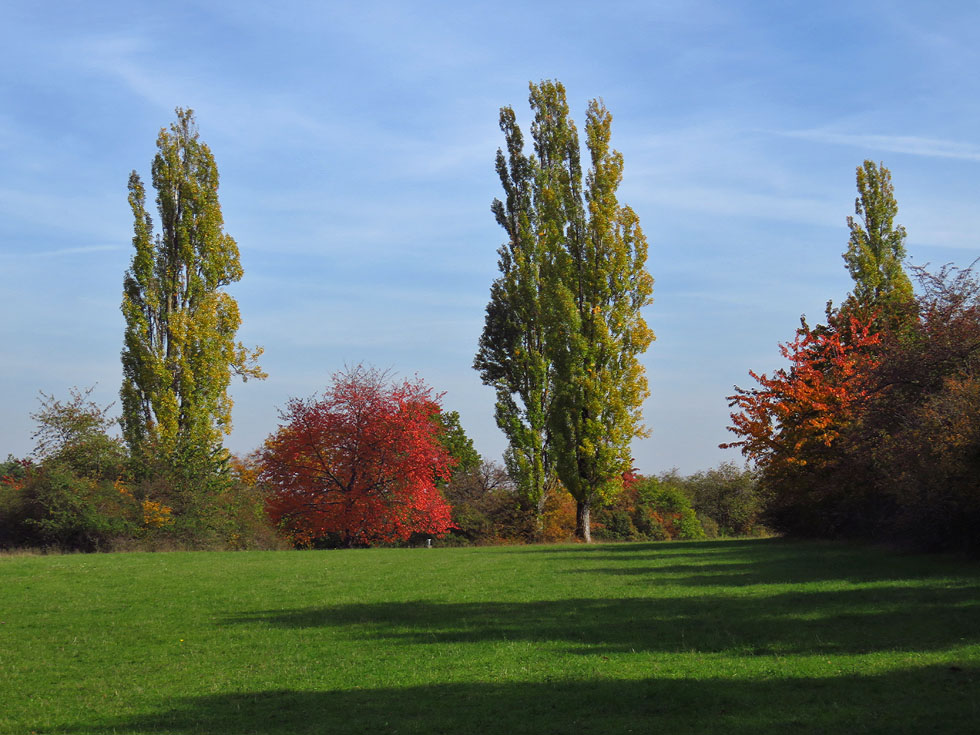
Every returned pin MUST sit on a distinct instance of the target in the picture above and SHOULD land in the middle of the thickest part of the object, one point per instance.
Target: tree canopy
(359, 464)
(875, 252)
(872, 429)
(179, 350)
(564, 327)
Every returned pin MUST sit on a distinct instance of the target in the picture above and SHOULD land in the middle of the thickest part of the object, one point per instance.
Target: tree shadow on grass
(929, 699)
(739, 572)
(742, 562)
(618, 549)
(852, 621)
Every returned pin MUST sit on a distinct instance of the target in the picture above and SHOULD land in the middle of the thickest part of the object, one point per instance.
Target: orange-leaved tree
(800, 411)
(358, 465)
(794, 424)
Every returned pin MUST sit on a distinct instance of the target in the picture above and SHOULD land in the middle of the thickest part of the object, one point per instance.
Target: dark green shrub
(709, 525)
(616, 525)
(63, 510)
(668, 505)
(730, 496)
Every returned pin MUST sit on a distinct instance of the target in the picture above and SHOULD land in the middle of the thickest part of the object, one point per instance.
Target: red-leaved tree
(358, 464)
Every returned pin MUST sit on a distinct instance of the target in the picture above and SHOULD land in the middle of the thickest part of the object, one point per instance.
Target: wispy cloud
(71, 251)
(908, 144)
(727, 202)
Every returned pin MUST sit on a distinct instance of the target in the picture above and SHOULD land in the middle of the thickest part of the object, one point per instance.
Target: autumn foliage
(359, 464)
(873, 431)
(799, 413)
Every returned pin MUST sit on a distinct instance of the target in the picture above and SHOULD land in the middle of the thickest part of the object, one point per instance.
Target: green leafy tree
(564, 327)
(70, 497)
(599, 333)
(512, 356)
(729, 496)
(75, 433)
(876, 249)
(455, 441)
(180, 351)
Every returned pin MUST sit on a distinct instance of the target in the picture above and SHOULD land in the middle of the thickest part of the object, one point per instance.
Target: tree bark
(583, 522)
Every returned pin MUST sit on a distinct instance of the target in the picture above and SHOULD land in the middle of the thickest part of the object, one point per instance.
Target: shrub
(709, 525)
(486, 508)
(671, 507)
(557, 516)
(649, 509)
(58, 508)
(729, 496)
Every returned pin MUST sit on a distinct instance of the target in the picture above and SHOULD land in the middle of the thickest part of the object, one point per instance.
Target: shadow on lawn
(913, 605)
(741, 562)
(837, 621)
(930, 699)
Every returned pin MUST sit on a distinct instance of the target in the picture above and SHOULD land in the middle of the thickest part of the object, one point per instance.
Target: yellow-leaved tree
(180, 350)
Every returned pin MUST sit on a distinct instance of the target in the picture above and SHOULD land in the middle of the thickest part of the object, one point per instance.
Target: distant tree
(664, 508)
(180, 351)
(359, 464)
(728, 495)
(486, 507)
(75, 432)
(455, 441)
(649, 509)
(876, 249)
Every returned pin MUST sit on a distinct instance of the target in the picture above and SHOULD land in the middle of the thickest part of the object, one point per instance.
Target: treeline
(370, 461)
(873, 430)
(364, 462)
(723, 502)
(81, 491)
(78, 492)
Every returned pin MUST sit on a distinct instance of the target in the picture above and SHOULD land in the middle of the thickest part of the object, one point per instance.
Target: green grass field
(723, 636)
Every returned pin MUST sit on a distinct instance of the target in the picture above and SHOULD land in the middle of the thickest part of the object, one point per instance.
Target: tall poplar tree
(180, 351)
(599, 333)
(563, 327)
(511, 355)
(876, 248)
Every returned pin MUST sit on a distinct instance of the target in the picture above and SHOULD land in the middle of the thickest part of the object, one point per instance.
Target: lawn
(723, 636)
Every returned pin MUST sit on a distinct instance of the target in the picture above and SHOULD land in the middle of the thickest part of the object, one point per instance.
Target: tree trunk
(539, 516)
(583, 524)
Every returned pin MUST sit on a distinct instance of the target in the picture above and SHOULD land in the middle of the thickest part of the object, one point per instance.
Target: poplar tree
(599, 333)
(511, 355)
(876, 248)
(563, 329)
(179, 350)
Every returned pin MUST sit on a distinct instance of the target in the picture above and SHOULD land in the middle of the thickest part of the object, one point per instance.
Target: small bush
(60, 509)
(648, 509)
(728, 495)
(709, 525)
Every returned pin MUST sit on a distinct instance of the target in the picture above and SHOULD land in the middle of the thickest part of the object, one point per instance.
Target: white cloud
(908, 144)
(739, 202)
(83, 250)
(81, 215)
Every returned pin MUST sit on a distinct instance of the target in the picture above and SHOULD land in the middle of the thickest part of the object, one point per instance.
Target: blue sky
(355, 143)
